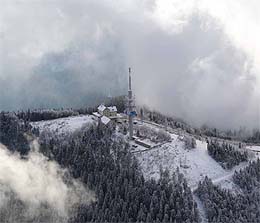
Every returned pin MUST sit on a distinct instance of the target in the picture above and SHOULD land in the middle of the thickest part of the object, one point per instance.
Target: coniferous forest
(221, 205)
(12, 132)
(226, 154)
(123, 195)
(102, 161)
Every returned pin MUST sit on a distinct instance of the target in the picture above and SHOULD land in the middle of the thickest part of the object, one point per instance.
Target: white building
(112, 110)
(107, 111)
(101, 109)
(105, 120)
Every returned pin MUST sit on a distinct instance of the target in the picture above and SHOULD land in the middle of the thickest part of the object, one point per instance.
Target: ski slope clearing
(64, 125)
(195, 164)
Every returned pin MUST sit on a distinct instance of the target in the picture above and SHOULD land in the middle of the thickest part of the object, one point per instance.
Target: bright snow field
(195, 164)
(64, 125)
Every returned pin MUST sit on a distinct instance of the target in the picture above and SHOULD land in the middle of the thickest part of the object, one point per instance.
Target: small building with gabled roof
(107, 111)
(105, 120)
(112, 110)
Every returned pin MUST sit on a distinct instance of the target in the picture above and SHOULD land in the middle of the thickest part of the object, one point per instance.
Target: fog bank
(34, 188)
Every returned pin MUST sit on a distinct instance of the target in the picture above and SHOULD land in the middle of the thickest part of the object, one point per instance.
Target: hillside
(64, 125)
(172, 154)
(195, 164)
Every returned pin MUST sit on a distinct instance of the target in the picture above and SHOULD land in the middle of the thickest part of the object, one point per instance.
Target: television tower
(131, 111)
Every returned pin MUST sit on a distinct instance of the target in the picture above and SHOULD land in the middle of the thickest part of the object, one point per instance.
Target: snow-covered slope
(64, 125)
(195, 164)
(254, 148)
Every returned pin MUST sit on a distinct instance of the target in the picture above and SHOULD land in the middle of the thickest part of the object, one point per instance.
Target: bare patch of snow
(253, 148)
(195, 164)
(64, 125)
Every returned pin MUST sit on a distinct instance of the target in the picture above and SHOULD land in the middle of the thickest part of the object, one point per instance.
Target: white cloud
(173, 15)
(36, 182)
(181, 51)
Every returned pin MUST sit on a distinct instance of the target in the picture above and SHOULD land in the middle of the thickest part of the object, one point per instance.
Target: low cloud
(40, 188)
(197, 75)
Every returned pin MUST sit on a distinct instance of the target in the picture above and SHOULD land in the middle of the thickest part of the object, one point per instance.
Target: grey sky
(195, 59)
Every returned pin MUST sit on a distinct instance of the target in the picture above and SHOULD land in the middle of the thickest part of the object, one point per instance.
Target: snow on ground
(64, 125)
(226, 181)
(254, 148)
(195, 164)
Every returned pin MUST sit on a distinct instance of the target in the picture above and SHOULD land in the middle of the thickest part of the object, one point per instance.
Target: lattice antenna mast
(130, 106)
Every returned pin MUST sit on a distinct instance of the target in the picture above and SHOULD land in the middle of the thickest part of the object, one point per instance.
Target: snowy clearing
(195, 164)
(64, 125)
(253, 148)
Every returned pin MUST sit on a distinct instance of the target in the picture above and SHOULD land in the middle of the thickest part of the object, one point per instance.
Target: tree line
(34, 115)
(248, 178)
(123, 195)
(227, 155)
(103, 162)
(222, 205)
(14, 133)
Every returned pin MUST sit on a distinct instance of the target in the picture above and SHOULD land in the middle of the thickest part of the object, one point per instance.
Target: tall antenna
(130, 80)
(131, 112)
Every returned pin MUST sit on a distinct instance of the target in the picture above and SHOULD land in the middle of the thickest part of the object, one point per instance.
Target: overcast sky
(195, 59)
